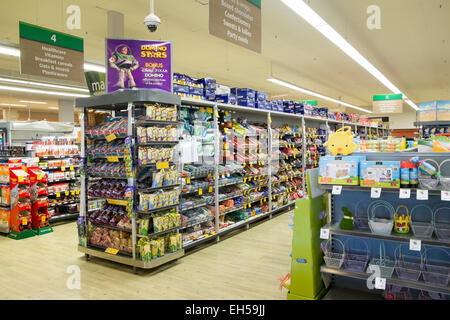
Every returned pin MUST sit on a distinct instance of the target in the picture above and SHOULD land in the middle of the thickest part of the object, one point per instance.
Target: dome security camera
(152, 21)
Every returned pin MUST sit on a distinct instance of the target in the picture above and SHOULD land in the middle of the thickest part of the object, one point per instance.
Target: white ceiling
(412, 48)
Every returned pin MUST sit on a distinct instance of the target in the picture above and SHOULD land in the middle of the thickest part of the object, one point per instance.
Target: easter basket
(422, 227)
(380, 225)
(402, 223)
(360, 219)
(383, 262)
(436, 270)
(425, 180)
(356, 259)
(444, 169)
(408, 267)
(442, 223)
(334, 259)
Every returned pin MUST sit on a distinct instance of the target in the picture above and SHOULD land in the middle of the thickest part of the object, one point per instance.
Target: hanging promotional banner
(237, 21)
(138, 64)
(51, 54)
(388, 103)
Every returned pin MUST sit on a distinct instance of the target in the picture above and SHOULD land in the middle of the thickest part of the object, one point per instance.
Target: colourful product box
(380, 174)
(340, 170)
(427, 111)
(443, 110)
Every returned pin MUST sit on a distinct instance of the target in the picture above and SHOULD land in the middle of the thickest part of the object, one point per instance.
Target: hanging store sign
(51, 54)
(311, 102)
(96, 82)
(388, 103)
(138, 64)
(236, 21)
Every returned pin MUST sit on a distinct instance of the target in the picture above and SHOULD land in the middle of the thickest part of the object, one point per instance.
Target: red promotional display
(20, 195)
(39, 200)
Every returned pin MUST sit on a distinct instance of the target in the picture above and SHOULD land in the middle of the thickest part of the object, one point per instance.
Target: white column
(115, 24)
(66, 110)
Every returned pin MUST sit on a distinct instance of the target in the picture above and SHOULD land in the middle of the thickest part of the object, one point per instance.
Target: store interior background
(292, 50)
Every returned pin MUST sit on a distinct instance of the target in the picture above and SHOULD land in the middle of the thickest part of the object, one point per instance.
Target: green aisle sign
(256, 3)
(63, 40)
(51, 54)
(386, 97)
(388, 103)
(311, 102)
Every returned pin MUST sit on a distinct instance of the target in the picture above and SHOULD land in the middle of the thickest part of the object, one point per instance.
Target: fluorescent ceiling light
(311, 93)
(33, 102)
(53, 108)
(12, 105)
(53, 93)
(10, 51)
(41, 84)
(94, 67)
(308, 14)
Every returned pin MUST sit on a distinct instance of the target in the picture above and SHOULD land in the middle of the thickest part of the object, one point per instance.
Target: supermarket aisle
(245, 266)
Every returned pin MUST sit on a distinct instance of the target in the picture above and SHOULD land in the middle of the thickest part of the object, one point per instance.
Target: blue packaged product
(243, 93)
(196, 91)
(414, 177)
(222, 98)
(178, 88)
(246, 103)
(232, 99)
(288, 107)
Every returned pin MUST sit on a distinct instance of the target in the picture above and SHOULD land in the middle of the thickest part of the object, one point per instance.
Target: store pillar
(115, 25)
(66, 111)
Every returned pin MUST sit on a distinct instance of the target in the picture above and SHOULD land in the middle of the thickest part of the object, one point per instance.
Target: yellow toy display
(341, 142)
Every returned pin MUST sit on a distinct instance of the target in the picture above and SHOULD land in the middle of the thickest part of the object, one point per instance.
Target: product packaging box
(246, 103)
(178, 88)
(443, 110)
(261, 96)
(209, 95)
(244, 93)
(232, 99)
(223, 98)
(288, 106)
(427, 111)
(380, 174)
(340, 170)
(5, 216)
(196, 91)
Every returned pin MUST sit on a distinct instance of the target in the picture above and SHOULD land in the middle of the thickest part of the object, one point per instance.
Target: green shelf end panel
(42, 231)
(22, 235)
(307, 257)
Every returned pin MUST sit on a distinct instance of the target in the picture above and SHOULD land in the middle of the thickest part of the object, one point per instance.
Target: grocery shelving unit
(129, 104)
(69, 197)
(350, 196)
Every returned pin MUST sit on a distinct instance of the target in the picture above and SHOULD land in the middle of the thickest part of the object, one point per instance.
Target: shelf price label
(112, 251)
(422, 194)
(210, 189)
(324, 234)
(58, 195)
(200, 192)
(375, 193)
(63, 168)
(405, 193)
(77, 191)
(72, 168)
(113, 159)
(415, 245)
(25, 221)
(188, 180)
(445, 195)
(380, 283)
(111, 137)
(43, 219)
(162, 165)
(67, 193)
(337, 190)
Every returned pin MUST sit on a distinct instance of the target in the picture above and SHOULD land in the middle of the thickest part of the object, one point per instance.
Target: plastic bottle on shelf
(405, 174)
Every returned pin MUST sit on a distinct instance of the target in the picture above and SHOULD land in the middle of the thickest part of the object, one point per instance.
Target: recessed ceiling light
(308, 14)
(311, 93)
(33, 102)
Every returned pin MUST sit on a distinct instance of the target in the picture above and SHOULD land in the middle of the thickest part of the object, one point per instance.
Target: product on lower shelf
(111, 239)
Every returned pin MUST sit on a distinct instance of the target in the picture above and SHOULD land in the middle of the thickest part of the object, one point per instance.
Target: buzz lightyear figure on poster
(123, 61)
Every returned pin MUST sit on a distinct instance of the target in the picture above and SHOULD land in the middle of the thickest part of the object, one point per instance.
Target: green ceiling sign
(256, 3)
(59, 39)
(386, 97)
(311, 102)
